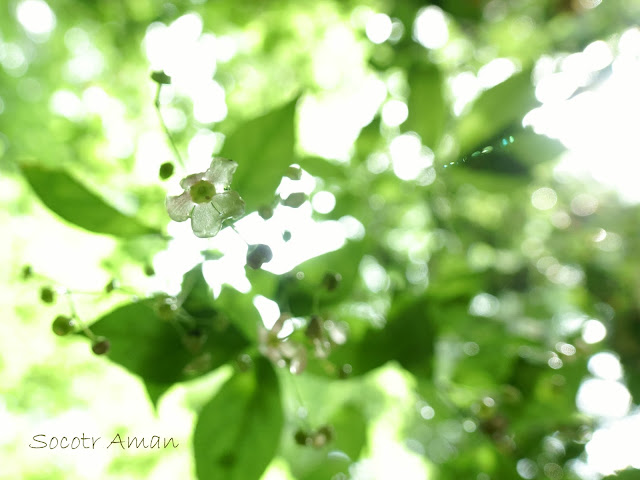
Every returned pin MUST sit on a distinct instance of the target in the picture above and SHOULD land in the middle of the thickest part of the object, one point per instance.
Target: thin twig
(164, 127)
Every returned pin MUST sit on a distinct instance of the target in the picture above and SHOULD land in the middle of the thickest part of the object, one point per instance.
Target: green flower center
(202, 191)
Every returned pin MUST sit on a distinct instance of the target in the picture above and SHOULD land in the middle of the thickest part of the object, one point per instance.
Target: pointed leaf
(155, 349)
(427, 107)
(238, 431)
(73, 202)
(494, 110)
(263, 148)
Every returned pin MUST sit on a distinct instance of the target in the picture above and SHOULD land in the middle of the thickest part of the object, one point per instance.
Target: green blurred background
(469, 176)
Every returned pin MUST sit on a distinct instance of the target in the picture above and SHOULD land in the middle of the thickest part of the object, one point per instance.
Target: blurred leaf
(153, 348)
(164, 347)
(263, 148)
(408, 338)
(238, 431)
(494, 110)
(155, 392)
(427, 107)
(628, 474)
(72, 201)
(296, 295)
(349, 436)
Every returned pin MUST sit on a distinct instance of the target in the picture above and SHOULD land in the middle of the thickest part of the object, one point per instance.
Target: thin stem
(164, 127)
(75, 316)
(239, 234)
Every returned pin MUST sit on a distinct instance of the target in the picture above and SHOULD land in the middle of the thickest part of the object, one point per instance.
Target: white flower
(206, 199)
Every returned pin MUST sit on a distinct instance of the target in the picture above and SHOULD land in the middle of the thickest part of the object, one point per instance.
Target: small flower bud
(322, 436)
(286, 235)
(111, 286)
(161, 78)
(166, 170)
(266, 212)
(100, 346)
(149, 271)
(27, 272)
(257, 255)
(301, 437)
(295, 200)
(331, 280)
(62, 325)
(47, 295)
(294, 172)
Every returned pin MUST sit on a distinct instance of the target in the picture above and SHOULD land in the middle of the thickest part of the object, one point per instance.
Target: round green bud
(27, 272)
(286, 235)
(100, 346)
(265, 212)
(111, 286)
(257, 255)
(63, 325)
(149, 271)
(166, 170)
(295, 200)
(294, 172)
(301, 437)
(47, 295)
(331, 280)
(161, 78)
(202, 191)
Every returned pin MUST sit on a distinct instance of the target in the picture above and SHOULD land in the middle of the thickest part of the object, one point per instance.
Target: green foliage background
(82, 209)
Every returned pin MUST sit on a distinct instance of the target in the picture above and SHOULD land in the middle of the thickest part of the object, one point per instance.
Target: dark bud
(111, 286)
(301, 437)
(314, 328)
(286, 235)
(100, 346)
(161, 78)
(294, 172)
(257, 255)
(63, 325)
(331, 280)
(265, 212)
(166, 170)
(322, 436)
(149, 271)
(295, 200)
(27, 272)
(47, 295)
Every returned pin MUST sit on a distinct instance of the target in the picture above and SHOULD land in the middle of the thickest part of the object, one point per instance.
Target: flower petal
(205, 220)
(179, 207)
(221, 172)
(229, 204)
(191, 180)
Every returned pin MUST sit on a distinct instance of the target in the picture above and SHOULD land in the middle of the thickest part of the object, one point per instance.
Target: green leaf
(296, 295)
(72, 201)
(263, 148)
(427, 107)
(350, 430)
(494, 110)
(408, 338)
(238, 431)
(155, 392)
(155, 348)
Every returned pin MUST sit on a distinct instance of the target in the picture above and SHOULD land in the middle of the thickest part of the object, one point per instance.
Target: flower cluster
(207, 199)
(282, 351)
